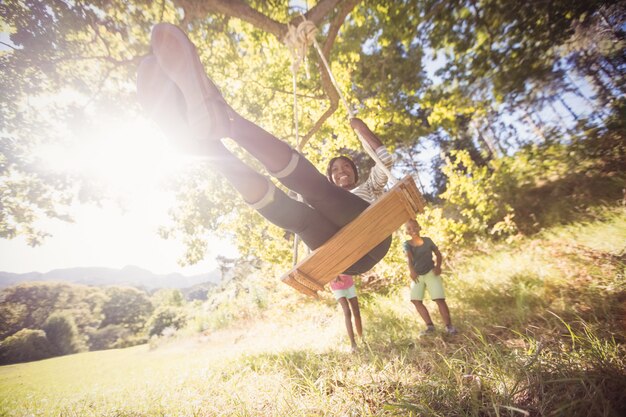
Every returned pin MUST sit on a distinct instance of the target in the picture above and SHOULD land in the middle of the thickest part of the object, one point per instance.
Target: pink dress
(342, 282)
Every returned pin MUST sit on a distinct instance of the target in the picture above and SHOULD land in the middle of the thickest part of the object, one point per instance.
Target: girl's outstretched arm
(370, 137)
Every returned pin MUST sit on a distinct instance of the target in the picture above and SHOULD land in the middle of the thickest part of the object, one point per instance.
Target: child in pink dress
(345, 293)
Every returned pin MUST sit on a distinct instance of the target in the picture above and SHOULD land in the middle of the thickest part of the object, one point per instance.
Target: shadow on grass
(566, 199)
(526, 302)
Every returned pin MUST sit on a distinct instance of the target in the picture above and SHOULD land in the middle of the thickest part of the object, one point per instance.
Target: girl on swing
(173, 88)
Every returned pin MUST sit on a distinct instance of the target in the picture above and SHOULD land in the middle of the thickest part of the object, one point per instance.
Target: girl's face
(342, 174)
(412, 229)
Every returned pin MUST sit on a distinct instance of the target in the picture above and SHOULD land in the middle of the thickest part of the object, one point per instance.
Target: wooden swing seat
(353, 241)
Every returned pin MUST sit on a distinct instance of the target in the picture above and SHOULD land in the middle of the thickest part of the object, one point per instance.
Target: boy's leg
(417, 295)
(444, 311)
(423, 312)
(434, 283)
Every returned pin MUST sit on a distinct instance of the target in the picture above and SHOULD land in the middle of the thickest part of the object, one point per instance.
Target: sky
(132, 160)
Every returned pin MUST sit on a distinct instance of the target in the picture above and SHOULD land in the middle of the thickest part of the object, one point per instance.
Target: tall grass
(542, 334)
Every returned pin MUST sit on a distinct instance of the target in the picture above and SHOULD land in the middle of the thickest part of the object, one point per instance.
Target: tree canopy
(459, 75)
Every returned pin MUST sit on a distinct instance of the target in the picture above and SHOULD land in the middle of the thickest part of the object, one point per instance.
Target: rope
(294, 70)
(371, 152)
(298, 39)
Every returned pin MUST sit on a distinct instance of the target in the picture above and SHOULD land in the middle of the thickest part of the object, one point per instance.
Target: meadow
(542, 333)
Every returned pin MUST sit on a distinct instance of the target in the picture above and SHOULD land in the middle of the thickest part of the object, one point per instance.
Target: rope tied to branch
(298, 39)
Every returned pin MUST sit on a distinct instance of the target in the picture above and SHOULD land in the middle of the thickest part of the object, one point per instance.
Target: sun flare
(130, 160)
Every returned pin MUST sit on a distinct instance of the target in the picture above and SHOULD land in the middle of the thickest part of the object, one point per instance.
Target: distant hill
(129, 275)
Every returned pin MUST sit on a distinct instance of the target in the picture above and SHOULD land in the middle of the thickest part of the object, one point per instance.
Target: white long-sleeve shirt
(374, 185)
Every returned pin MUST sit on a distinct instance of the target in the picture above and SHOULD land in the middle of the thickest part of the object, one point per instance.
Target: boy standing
(426, 275)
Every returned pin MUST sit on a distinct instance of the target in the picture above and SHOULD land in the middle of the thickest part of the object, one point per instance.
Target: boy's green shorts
(433, 283)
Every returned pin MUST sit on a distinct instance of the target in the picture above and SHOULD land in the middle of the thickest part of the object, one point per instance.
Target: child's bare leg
(348, 319)
(444, 311)
(354, 303)
(423, 312)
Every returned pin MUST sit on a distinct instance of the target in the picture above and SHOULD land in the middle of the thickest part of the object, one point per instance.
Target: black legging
(328, 208)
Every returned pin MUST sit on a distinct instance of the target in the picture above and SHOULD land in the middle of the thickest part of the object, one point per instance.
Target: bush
(62, 334)
(24, 346)
(108, 336)
(166, 316)
(474, 199)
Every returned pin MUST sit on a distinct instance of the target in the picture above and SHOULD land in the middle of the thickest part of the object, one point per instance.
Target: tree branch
(9, 46)
(327, 84)
(232, 8)
(318, 13)
(240, 10)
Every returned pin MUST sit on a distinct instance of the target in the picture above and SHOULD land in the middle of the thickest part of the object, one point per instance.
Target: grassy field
(542, 333)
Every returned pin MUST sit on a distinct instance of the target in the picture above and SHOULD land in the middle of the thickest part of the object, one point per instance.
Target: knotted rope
(298, 39)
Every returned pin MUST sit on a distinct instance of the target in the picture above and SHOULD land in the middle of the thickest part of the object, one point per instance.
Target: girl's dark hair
(345, 158)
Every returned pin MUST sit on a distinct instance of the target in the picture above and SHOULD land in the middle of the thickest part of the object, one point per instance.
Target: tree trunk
(485, 140)
(568, 108)
(605, 92)
(239, 9)
(536, 129)
(579, 93)
(564, 123)
(496, 138)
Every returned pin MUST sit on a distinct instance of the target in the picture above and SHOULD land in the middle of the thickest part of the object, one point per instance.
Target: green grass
(542, 334)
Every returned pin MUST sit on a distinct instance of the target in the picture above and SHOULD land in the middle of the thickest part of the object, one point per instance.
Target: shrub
(62, 334)
(164, 317)
(474, 195)
(108, 337)
(126, 306)
(24, 346)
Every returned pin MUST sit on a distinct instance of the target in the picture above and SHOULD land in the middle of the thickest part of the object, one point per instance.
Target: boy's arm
(409, 258)
(437, 269)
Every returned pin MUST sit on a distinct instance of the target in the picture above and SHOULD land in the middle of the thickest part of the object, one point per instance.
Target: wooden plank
(307, 281)
(356, 239)
(295, 284)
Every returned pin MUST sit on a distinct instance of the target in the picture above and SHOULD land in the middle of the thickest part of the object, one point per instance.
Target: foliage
(127, 306)
(24, 346)
(62, 334)
(109, 337)
(453, 74)
(76, 315)
(165, 317)
(473, 192)
(167, 297)
(541, 325)
(30, 304)
(61, 56)
(244, 293)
